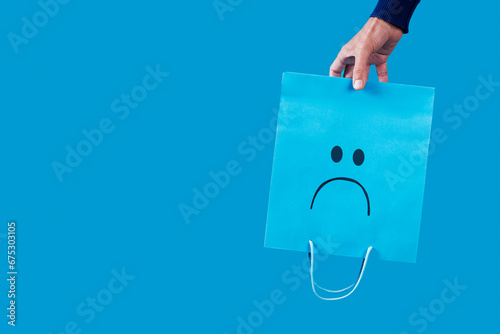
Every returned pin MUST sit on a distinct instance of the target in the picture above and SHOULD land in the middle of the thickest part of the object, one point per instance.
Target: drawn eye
(358, 157)
(336, 154)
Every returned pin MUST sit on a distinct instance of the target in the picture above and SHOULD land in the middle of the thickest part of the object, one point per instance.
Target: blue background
(119, 207)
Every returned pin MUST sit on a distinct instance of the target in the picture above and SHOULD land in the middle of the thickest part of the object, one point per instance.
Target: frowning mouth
(343, 179)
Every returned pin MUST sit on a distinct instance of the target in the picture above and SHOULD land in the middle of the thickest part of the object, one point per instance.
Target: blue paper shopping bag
(349, 167)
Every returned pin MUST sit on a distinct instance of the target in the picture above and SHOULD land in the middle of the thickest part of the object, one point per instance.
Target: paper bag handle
(314, 284)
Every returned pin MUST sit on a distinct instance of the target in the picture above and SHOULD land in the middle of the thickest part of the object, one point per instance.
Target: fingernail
(358, 84)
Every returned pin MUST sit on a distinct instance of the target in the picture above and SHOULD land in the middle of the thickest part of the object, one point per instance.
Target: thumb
(361, 69)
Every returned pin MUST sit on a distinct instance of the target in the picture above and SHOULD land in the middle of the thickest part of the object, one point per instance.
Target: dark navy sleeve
(397, 12)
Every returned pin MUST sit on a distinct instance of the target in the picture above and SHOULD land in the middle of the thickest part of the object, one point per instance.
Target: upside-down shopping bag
(349, 168)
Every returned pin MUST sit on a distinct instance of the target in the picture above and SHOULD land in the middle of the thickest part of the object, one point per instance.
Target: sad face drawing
(358, 158)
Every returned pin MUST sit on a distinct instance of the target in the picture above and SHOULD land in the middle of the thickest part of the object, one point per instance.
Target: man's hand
(372, 45)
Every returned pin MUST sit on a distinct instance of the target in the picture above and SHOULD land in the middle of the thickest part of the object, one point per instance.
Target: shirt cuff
(397, 12)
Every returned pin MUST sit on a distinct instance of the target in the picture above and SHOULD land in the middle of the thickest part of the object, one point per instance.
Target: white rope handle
(334, 291)
(314, 284)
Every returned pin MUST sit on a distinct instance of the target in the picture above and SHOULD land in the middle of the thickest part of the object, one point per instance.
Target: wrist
(385, 26)
(388, 25)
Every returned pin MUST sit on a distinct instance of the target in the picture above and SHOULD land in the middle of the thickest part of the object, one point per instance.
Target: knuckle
(361, 50)
(346, 49)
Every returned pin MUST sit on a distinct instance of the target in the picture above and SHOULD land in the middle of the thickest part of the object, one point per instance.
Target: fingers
(354, 64)
(344, 58)
(337, 66)
(348, 72)
(382, 72)
(360, 75)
